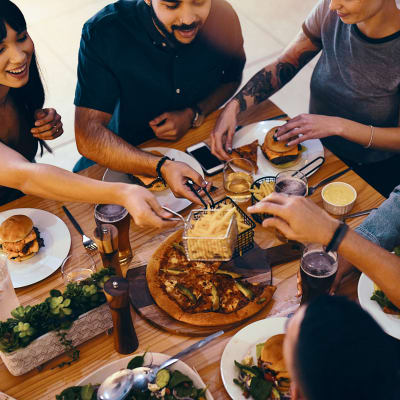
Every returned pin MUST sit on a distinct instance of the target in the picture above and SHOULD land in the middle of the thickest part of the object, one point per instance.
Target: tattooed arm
(264, 84)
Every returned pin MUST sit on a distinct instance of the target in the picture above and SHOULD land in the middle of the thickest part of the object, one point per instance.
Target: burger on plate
(277, 152)
(19, 239)
(273, 363)
(149, 182)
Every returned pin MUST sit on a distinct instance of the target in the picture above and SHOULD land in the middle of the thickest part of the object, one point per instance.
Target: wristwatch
(198, 118)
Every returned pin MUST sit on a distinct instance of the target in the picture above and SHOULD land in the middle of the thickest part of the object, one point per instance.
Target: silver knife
(358, 214)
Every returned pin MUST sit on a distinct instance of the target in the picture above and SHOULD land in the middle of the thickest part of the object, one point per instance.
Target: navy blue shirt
(128, 69)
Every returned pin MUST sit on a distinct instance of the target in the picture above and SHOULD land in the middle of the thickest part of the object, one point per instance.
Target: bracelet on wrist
(160, 163)
(337, 237)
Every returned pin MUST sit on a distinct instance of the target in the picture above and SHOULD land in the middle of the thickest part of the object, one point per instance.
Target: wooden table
(48, 382)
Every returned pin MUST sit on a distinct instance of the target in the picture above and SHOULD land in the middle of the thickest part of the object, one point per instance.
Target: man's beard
(170, 35)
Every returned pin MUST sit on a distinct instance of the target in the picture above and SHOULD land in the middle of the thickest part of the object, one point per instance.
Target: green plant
(57, 312)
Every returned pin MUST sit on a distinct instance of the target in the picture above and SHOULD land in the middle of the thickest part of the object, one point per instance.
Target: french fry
(263, 190)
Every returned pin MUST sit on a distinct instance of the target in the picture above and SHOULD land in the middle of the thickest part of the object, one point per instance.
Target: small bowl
(338, 209)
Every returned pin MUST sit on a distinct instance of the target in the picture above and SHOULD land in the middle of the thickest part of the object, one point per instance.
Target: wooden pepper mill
(116, 291)
(106, 238)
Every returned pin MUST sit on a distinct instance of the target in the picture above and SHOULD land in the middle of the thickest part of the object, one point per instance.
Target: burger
(19, 239)
(278, 152)
(149, 182)
(273, 363)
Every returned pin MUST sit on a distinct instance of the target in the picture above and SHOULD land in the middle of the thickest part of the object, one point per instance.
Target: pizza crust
(201, 318)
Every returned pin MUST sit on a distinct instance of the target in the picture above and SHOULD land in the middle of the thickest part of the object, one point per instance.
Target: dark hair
(31, 96)
(342, 353)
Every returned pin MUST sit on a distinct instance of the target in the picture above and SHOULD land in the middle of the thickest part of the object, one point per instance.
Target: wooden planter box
(48, 346)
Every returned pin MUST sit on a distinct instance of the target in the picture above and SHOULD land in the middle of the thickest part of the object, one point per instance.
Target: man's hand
(222, 135)
(310, 126)
(172, 125)
(176, 174)
(292, 216)
(145, 209)
(48, 125)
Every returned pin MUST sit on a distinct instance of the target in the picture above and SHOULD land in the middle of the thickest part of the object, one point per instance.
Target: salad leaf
(177, 378)
(252, 371)
(259, 348)
(260, 389)
(136, 362)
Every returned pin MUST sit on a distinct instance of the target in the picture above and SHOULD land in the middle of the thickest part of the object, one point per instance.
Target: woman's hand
(310, 126)
(145, 209)
(48, 125)
(292, 216)
(222, 135)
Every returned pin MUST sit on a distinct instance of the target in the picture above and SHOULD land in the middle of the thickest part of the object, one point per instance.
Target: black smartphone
(284, 253)
(201, 152)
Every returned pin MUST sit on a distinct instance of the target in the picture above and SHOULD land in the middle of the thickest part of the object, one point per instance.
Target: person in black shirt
(153, 68)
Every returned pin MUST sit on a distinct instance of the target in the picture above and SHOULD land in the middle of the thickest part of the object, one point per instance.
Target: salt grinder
(116, 290)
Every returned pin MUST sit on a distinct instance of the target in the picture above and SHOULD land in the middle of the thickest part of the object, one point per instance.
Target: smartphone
(202, 153)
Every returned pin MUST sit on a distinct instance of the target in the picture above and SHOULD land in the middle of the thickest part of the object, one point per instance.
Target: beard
(171, 39)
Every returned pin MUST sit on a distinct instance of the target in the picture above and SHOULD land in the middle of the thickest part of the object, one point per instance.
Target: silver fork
(86, 241)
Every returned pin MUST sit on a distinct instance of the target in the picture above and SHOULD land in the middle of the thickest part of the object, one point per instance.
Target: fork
(88, 243)
(312, 189)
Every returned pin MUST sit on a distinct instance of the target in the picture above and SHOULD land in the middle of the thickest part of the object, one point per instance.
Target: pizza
(201, 293)
(248, 152)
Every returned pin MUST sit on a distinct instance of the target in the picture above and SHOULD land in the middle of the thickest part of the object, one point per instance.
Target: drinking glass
(238, 181)
(318, 270)
(8, 298)
(292, 183)
(77, 267)
(120, 218)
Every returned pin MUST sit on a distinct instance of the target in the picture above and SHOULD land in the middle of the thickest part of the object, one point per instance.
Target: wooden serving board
(254, 265)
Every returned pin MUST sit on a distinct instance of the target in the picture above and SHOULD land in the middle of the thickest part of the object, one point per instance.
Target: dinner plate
(57, 242)
(166, 198)
(243, 344)
(98, 376)
(389, 323)
(249, 133)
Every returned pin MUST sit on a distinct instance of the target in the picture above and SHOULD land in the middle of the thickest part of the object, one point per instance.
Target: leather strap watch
(198, 118)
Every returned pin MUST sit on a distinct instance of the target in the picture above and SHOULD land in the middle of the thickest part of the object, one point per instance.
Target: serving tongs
(191, 184)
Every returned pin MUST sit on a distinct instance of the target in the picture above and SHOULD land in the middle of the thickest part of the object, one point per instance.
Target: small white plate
(249, 133)
(389, 323)
(243, 344)
(57, 242)
(166, 197)
(97, 377)
(4, 396)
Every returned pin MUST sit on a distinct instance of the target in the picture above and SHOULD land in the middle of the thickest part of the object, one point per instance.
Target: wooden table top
(48, 382)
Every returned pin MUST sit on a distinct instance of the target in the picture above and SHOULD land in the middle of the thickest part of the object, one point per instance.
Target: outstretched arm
(264, 84)
(57, 184)
(292, 216)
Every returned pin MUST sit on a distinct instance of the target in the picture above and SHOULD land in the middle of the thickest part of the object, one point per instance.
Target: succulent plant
(59, 306)
(24, 329)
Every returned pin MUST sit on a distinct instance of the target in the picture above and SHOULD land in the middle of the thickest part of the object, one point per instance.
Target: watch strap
(337, 237)
(160, 163)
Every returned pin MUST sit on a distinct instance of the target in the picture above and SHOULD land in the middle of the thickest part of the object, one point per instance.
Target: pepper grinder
(106, 238)
(116, 291)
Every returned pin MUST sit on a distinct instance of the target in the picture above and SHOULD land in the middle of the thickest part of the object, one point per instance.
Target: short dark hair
(31, 96)
(342, 353)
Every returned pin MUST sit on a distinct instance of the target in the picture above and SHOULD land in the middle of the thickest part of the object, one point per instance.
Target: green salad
(169, 385)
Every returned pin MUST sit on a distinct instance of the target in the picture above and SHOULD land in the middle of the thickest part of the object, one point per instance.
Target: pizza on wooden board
(201, 293)
(248, 152)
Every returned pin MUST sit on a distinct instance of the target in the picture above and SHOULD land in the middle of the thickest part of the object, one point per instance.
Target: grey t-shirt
(356, 78)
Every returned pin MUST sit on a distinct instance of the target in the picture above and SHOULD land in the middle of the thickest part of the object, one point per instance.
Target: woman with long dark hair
(24, 125)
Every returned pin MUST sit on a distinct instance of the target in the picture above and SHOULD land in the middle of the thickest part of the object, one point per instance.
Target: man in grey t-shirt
(355, 88)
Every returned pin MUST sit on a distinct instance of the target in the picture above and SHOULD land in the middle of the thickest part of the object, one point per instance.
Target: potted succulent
(36, 334)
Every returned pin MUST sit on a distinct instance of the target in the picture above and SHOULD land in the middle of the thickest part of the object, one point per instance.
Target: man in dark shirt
(153, 68)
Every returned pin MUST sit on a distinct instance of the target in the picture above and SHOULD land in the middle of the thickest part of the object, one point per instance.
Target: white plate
(389, 323)
(166, 197)
(97, 377)
(4, 396)
(242, 344)
(258, 131)
(57, 242)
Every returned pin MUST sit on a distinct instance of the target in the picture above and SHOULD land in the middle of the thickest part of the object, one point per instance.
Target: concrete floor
(55, 26)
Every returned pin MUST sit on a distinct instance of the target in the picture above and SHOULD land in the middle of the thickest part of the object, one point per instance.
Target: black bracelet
(337, 237)
(160, 163)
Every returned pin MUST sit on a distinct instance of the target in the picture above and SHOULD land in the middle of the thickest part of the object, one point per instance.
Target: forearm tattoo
(259, 88)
